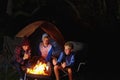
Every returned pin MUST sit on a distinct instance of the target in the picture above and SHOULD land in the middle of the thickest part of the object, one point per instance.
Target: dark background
(95, 22)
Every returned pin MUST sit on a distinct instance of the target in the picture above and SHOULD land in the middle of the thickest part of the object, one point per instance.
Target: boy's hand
(26, 56)
(54, 61)
(63, 65)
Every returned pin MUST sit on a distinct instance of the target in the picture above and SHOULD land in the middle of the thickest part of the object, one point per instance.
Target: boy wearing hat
(45, 48)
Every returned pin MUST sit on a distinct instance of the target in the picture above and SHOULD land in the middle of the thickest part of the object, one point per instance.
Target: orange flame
(40, 69)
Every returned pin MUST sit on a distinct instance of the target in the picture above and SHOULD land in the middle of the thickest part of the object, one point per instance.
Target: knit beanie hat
(45, 35)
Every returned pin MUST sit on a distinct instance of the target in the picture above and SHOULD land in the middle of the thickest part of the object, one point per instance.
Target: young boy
(65, 61)
(22, 56)
(45, 48)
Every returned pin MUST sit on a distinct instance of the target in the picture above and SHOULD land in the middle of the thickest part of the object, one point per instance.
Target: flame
(40, 69)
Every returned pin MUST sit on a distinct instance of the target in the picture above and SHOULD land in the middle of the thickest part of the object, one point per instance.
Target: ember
(41, 68)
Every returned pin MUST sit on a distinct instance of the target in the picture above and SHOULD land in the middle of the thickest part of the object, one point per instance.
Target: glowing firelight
(40, 69)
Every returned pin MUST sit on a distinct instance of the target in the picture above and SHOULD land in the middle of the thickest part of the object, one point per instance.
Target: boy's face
(46, 40)
(67, 50)
(25, 47)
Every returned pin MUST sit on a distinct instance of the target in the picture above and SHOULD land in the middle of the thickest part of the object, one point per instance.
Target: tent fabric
(9, 46)
(46, 26)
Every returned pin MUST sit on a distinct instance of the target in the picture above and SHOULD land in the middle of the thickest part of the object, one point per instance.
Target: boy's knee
(54, 61)
(69, 70)
(55, 67)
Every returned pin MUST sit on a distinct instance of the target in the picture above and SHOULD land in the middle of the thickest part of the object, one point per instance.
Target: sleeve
(60, 58)
(72, 60)
(57, 49)
(17, 54)
(49, 57)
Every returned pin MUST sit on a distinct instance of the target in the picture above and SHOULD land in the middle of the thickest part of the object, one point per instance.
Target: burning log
(40, 68)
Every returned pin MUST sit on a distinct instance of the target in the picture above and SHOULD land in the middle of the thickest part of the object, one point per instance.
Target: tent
(46, 26)
(34, 31)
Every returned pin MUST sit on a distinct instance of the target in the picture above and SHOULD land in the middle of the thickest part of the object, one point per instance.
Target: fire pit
(37, 77)
(40, 71)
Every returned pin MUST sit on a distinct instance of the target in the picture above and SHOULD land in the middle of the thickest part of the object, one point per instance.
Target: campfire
(40, 68)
